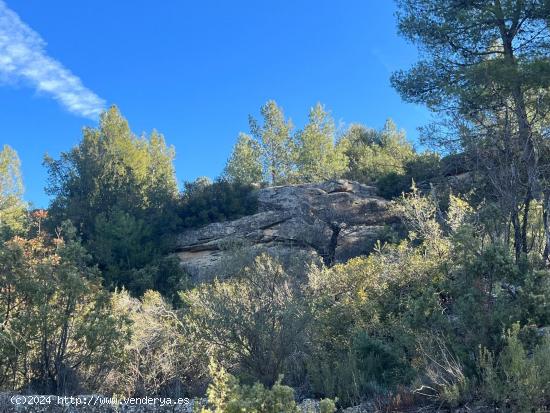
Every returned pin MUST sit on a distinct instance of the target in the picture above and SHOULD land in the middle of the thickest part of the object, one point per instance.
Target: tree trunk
(517, 235)
(529, 155)
(546, 224)
(525, 222)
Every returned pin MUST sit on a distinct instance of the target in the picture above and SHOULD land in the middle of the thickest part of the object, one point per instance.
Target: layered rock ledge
(334, 220)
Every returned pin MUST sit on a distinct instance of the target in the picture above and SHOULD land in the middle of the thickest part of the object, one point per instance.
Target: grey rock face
(334, 220)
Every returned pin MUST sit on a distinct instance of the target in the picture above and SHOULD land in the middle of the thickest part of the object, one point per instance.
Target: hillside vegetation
(456, 312)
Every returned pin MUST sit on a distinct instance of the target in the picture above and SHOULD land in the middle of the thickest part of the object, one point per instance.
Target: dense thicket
(120, 192)
(204, 201)
(58, 328)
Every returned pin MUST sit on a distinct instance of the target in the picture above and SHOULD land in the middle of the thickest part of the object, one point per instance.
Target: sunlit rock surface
(333, 220)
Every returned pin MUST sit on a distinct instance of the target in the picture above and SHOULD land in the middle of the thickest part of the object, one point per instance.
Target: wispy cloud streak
(23, 57)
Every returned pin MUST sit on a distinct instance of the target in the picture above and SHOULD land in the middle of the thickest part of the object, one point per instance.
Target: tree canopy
(12, 207)
(485, 67)
(120, 192)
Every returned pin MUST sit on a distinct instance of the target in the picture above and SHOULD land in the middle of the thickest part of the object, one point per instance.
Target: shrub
(373, 154)
(516, 379)
(156, 360)
(444, 380)
(204, 202)
(327, 406)
(421, 168)
(366, 315)
(59, 332)
(255, 321)
(227, 395)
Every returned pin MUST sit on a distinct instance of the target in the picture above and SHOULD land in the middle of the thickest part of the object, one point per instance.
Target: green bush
(59, 331)
(379, 361)
(366, 315)
(204, 202)
(421, 168)
(327, 406)
(155, 360)
(227, 395)
(373, 154)
(516, 379)
(254, 322)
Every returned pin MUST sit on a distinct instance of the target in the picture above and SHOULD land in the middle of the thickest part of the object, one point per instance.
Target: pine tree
(244, 166)
(317, 157)
(277, 145)
(12, 207)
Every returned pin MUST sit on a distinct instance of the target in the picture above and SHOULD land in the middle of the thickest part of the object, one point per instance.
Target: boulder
(333, 220)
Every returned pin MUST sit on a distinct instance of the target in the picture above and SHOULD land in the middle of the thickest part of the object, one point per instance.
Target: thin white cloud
(23, 57)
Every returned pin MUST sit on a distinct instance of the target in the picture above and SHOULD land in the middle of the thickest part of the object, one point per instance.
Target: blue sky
(193, 70)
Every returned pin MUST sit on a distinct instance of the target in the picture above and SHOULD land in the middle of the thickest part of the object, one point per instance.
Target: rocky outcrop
(333, 220)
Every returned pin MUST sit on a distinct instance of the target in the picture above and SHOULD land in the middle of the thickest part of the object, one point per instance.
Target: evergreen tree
(486, 71)
(374, 154)
(244, 165)
(317, 157)
(277, 145)
(120, 192)
(12, 207)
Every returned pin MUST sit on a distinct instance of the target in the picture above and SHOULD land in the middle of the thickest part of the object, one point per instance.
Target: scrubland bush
(58, 330)
(517, 379)
(442, 374)
(401, 326)
(156, 360)
(227, 395)
(204, 201)
(254, 322)
(327, 406)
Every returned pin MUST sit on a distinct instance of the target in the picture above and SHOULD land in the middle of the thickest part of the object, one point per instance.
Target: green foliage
(276, 157)
(373, 316)
(58, 329)
(317, 158)
(483, 308)
(226, 395)
(377, 359)
(12, 207)
(423, 167)
(463, 57)
(375, 154)
(244, 165)
(327, 406)
(254, 322)
(410, 318)
(121, 241)
(120, 192)
(367, 312)
(155, 361)
(420, 215)
(386, 159)
(485, 72)
(276, 143)
(111, 168)
(204, 202)
(515, 380)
